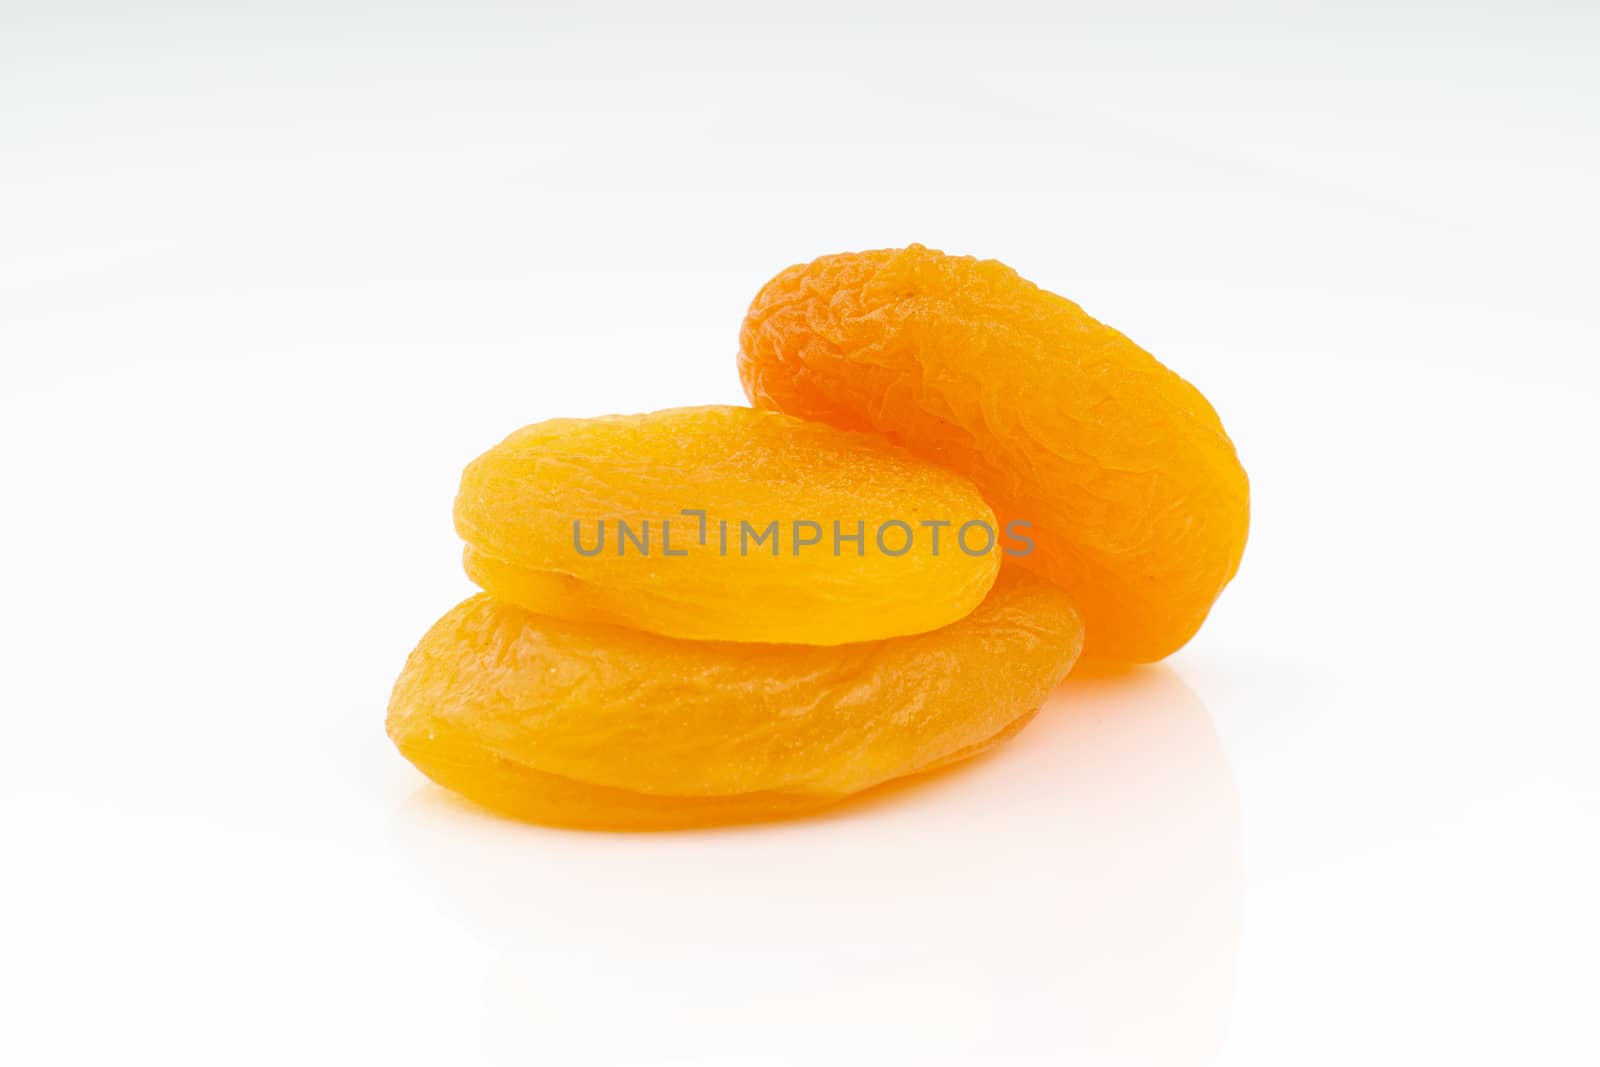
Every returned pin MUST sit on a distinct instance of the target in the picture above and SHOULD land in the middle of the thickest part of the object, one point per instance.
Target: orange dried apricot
(578, 723)
(1137, 503)
(724, 523)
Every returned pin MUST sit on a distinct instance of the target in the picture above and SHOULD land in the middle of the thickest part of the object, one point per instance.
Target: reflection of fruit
(1138, 504)
(575, 723)
(779, 573)
(1099, 888)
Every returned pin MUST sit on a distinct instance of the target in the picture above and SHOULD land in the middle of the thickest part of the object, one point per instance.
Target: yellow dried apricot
(725, 523)
(582, 724)
(1137, 503)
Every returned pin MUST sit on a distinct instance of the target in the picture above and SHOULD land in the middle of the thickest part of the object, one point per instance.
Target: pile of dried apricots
(952, 483)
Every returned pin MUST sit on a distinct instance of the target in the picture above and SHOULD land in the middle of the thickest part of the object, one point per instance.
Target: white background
(270, 274)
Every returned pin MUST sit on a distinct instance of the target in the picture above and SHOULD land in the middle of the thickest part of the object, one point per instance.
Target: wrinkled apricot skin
(455, 761)
(581, 724)
(1138, 504)
(695, 577)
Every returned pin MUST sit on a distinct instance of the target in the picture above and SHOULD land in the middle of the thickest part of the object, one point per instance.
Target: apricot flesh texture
(730, 516)
(576, 723)
(1137, 502)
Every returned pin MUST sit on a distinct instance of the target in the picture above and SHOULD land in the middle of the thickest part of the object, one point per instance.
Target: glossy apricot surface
(1137, 501)
(724, 523)
(583, 724)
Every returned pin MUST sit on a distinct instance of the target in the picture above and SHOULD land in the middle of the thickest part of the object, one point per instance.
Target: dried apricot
(1136, 499)
(583, 724)
(724, 523)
